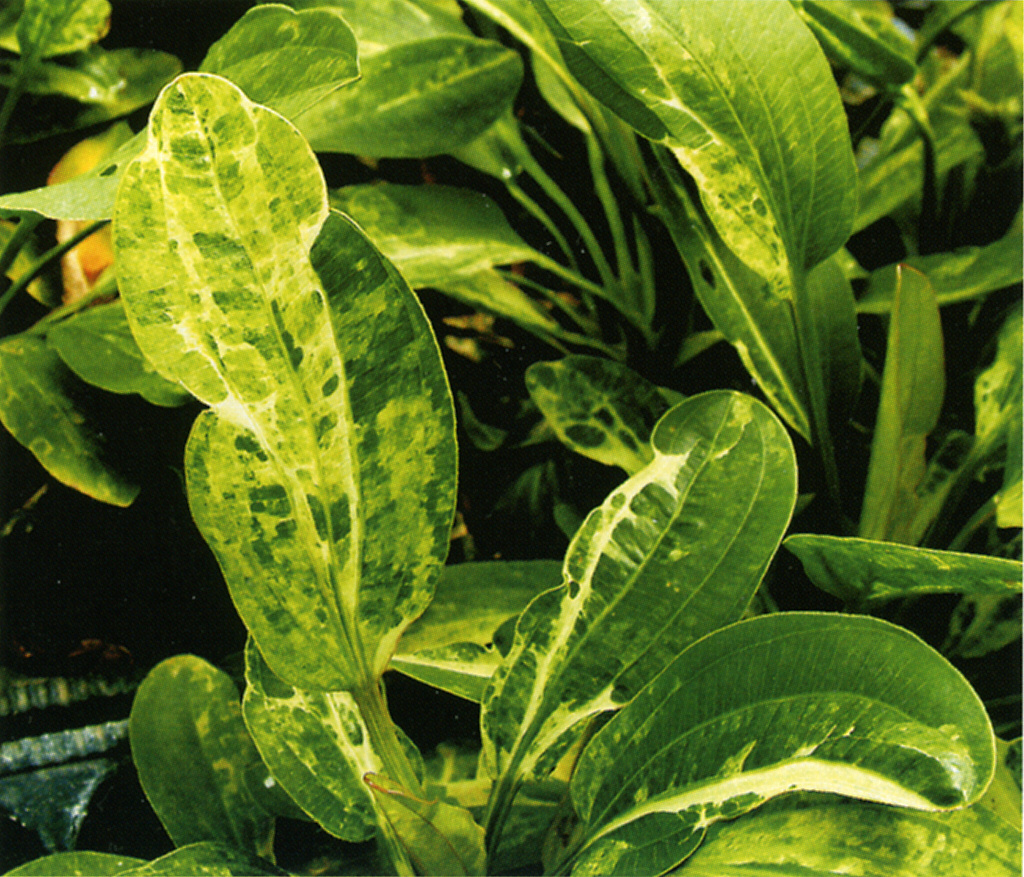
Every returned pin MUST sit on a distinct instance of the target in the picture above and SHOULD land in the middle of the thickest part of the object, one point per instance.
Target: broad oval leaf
(600, 408)
(316, 746)
(744, 97)
(206, 859)
(323, 475)
(672, 554)
(192, 751)
(792, 701)
(97, 345)
(286, 60)
(863, 572)
(58, 27)
(36, 410)
(380, 25)
(821, 836)
(417, 99)
(82, 863)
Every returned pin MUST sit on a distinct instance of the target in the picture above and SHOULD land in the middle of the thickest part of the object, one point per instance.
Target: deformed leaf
(316, 746)
(673, 553)
(599, 408)
(913, 387)
(823, 835)
(417, 99)
(863, 572)
(440, 838)
(286, 60)
(192, 752)
(82, 863)
(323, 476)
(790, 701)
(97, 345)
(36, 410)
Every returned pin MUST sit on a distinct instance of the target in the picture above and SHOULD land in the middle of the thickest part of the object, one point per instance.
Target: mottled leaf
(982, 624)
(192, 751)
(673, 553)
(385, 23)
(462, 669)
(323, 475)
(97, 345)
(440, 838)
(791, 701)
(744, 97)
(207, 859)
(58, 27)
(997, 390)
(36, 410)
(863, 572)
(417, 99)
(599, 408)
(822, 835)
(316, 746)
(913, 386)
(286, 60)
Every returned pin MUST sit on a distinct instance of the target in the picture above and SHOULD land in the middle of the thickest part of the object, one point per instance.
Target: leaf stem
(537, 212)
(49, 256)
(384, 737)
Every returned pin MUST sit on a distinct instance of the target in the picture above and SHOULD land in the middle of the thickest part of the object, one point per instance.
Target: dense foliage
(759, 264)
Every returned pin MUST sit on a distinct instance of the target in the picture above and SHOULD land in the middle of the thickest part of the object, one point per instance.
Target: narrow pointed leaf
(417, 99)
(599, 408)
(821, 835)
(286, 60)
(36, 410)
(675, 552)
(997, 391)
(863, 572)
(329, 543)
(192, 751)
(913, 386)
(97, 345)
(316, 746)
(743, 95)
(792, 701)
(440, 838)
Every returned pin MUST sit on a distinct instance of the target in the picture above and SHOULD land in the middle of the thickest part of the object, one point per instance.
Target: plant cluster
(646, 706)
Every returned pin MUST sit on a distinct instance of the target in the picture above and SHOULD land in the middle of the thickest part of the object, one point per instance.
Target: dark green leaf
(37, 412)
(97, 345)
(192, 752)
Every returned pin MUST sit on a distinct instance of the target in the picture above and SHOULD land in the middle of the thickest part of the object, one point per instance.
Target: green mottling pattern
(675, 552)
(323, 476)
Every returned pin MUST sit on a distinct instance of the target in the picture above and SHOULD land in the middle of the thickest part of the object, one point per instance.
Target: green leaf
(673, 553)
(380, 25)
(440, 838)
(474, 599)
(599, 408)
(316, 746)
(462, 669)
(59, 27)
(97, 345)
(87, 196)
(863, 572)
(960, 275)
(913, 386)
(821, 836)
(859, 38)
(744, 97)
(286, 60)
(791, 701)
(327, 501)
(432, 232)
(488, 290)
(76, 864)
(206, 859)
(107, 84)
(36, 410)
(417, 99)
(191, 750)
(983, 624)
(997, 391)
